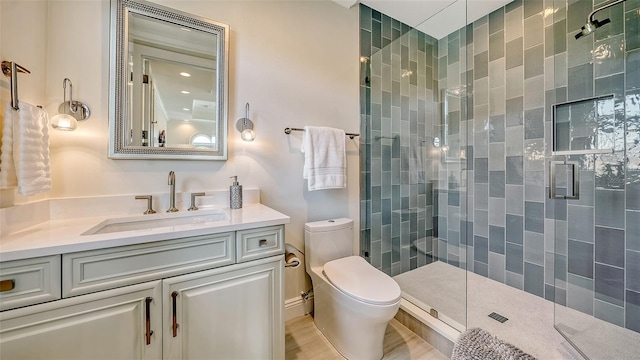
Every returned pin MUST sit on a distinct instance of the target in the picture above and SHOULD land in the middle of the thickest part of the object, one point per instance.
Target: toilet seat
(357, 278)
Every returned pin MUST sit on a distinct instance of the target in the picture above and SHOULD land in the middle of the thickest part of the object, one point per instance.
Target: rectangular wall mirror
(168, 86)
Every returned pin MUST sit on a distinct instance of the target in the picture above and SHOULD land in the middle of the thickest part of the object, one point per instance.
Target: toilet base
(355, 329)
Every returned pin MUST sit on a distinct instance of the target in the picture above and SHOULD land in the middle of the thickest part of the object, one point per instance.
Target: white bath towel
(8, 179)
(325, 160)
(30, 149)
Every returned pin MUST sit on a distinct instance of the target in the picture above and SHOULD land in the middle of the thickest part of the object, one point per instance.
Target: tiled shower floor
(531, 318)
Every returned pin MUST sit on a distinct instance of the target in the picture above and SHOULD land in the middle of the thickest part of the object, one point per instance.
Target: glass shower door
(413, 208)
(594, 178)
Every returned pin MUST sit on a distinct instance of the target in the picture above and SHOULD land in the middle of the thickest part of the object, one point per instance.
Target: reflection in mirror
(454, 103)
(169, 76)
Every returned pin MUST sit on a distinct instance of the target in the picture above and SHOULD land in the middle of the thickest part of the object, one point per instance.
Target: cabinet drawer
(259, 243)
(29, 281)
(96, 270)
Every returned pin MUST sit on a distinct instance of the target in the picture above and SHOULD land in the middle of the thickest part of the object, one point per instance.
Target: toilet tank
(327, 240)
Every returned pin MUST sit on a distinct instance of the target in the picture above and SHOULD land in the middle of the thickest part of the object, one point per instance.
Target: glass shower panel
(597, 236)
(412, 186)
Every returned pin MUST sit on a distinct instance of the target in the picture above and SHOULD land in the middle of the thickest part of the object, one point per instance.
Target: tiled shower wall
(518, 62)
(398, 109)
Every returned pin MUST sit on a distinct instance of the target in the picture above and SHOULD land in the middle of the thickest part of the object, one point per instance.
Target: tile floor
(303, 341)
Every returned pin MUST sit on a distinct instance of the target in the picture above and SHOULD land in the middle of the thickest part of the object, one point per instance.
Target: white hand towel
(30, 149)
(8, 179)
(325, 160)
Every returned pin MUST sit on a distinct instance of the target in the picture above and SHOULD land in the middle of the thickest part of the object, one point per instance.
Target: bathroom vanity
(208, 289)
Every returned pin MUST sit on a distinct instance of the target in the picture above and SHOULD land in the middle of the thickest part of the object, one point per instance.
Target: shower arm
(590, 18)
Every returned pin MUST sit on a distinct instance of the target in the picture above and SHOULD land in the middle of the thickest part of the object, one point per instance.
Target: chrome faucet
(172, 196)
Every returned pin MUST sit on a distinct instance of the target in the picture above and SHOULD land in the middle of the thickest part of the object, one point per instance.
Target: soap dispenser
(235, 194)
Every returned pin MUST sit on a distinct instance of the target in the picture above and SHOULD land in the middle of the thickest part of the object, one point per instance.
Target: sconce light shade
(245, 127)
(248, 134)
(64, 122)
(69, 112)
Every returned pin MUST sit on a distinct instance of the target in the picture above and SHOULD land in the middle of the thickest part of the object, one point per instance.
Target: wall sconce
(69, 112)
(245, 127)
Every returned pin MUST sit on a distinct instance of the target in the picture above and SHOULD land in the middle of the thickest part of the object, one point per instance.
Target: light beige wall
(295, 62)
(23, 26)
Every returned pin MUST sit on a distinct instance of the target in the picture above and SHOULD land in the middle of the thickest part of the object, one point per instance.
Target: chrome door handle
(575, 175)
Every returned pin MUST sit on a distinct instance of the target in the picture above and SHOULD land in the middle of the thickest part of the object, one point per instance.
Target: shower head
(590, 27)
(592, 24)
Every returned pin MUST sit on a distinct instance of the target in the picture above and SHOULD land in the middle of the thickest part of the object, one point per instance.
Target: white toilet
(353, 301)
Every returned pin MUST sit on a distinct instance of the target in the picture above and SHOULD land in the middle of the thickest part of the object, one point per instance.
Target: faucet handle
(193, 201)
(149, 199)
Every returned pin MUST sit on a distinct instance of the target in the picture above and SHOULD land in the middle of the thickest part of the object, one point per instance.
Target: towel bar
(289, 130)
(11, 70)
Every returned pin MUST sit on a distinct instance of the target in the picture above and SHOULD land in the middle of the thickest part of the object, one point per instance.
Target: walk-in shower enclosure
(467, 137)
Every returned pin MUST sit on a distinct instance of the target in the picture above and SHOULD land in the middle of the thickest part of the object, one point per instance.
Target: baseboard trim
(296, 307)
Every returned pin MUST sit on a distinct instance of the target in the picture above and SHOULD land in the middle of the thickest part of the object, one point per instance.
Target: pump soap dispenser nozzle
(235, 194)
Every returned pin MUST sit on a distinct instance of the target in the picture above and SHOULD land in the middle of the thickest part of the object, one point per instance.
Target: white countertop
(65, 236)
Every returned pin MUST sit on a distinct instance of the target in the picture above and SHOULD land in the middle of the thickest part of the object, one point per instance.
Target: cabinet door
(105, 325)
(235, 312)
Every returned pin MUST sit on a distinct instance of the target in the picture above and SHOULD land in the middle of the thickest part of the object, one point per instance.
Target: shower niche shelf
(586, 126)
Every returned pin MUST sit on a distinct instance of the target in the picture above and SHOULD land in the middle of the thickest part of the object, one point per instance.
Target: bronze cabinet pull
(175, 325)
(7, 285)
(149, 332)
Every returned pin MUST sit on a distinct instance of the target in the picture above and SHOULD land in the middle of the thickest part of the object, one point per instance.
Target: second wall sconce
(245, 126)
(69, 112)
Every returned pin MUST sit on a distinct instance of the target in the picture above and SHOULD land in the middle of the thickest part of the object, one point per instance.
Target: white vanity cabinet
(106, 325)
(184, 298)
(234, 312)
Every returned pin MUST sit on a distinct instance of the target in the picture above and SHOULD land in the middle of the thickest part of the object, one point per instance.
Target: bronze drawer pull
(149, 332)
(7, 285)
(175, 325)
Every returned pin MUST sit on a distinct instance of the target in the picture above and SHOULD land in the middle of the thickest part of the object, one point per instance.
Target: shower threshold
(429, 311)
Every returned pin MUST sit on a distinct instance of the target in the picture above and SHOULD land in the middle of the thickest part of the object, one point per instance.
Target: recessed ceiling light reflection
(186, 109)
(185, 29)
(185, 92)
(185, 74)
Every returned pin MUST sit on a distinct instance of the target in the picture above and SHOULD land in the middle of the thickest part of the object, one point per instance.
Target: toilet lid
(357, 278)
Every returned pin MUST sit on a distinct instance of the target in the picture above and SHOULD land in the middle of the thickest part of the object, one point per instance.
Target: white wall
(295, 62)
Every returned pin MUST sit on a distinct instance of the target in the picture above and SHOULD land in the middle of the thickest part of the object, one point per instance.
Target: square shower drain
(497, 317)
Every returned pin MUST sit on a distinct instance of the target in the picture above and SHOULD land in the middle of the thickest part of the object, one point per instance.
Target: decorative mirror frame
(118, 81)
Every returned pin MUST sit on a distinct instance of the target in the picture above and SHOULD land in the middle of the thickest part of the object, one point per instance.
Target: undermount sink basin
(159, 220)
